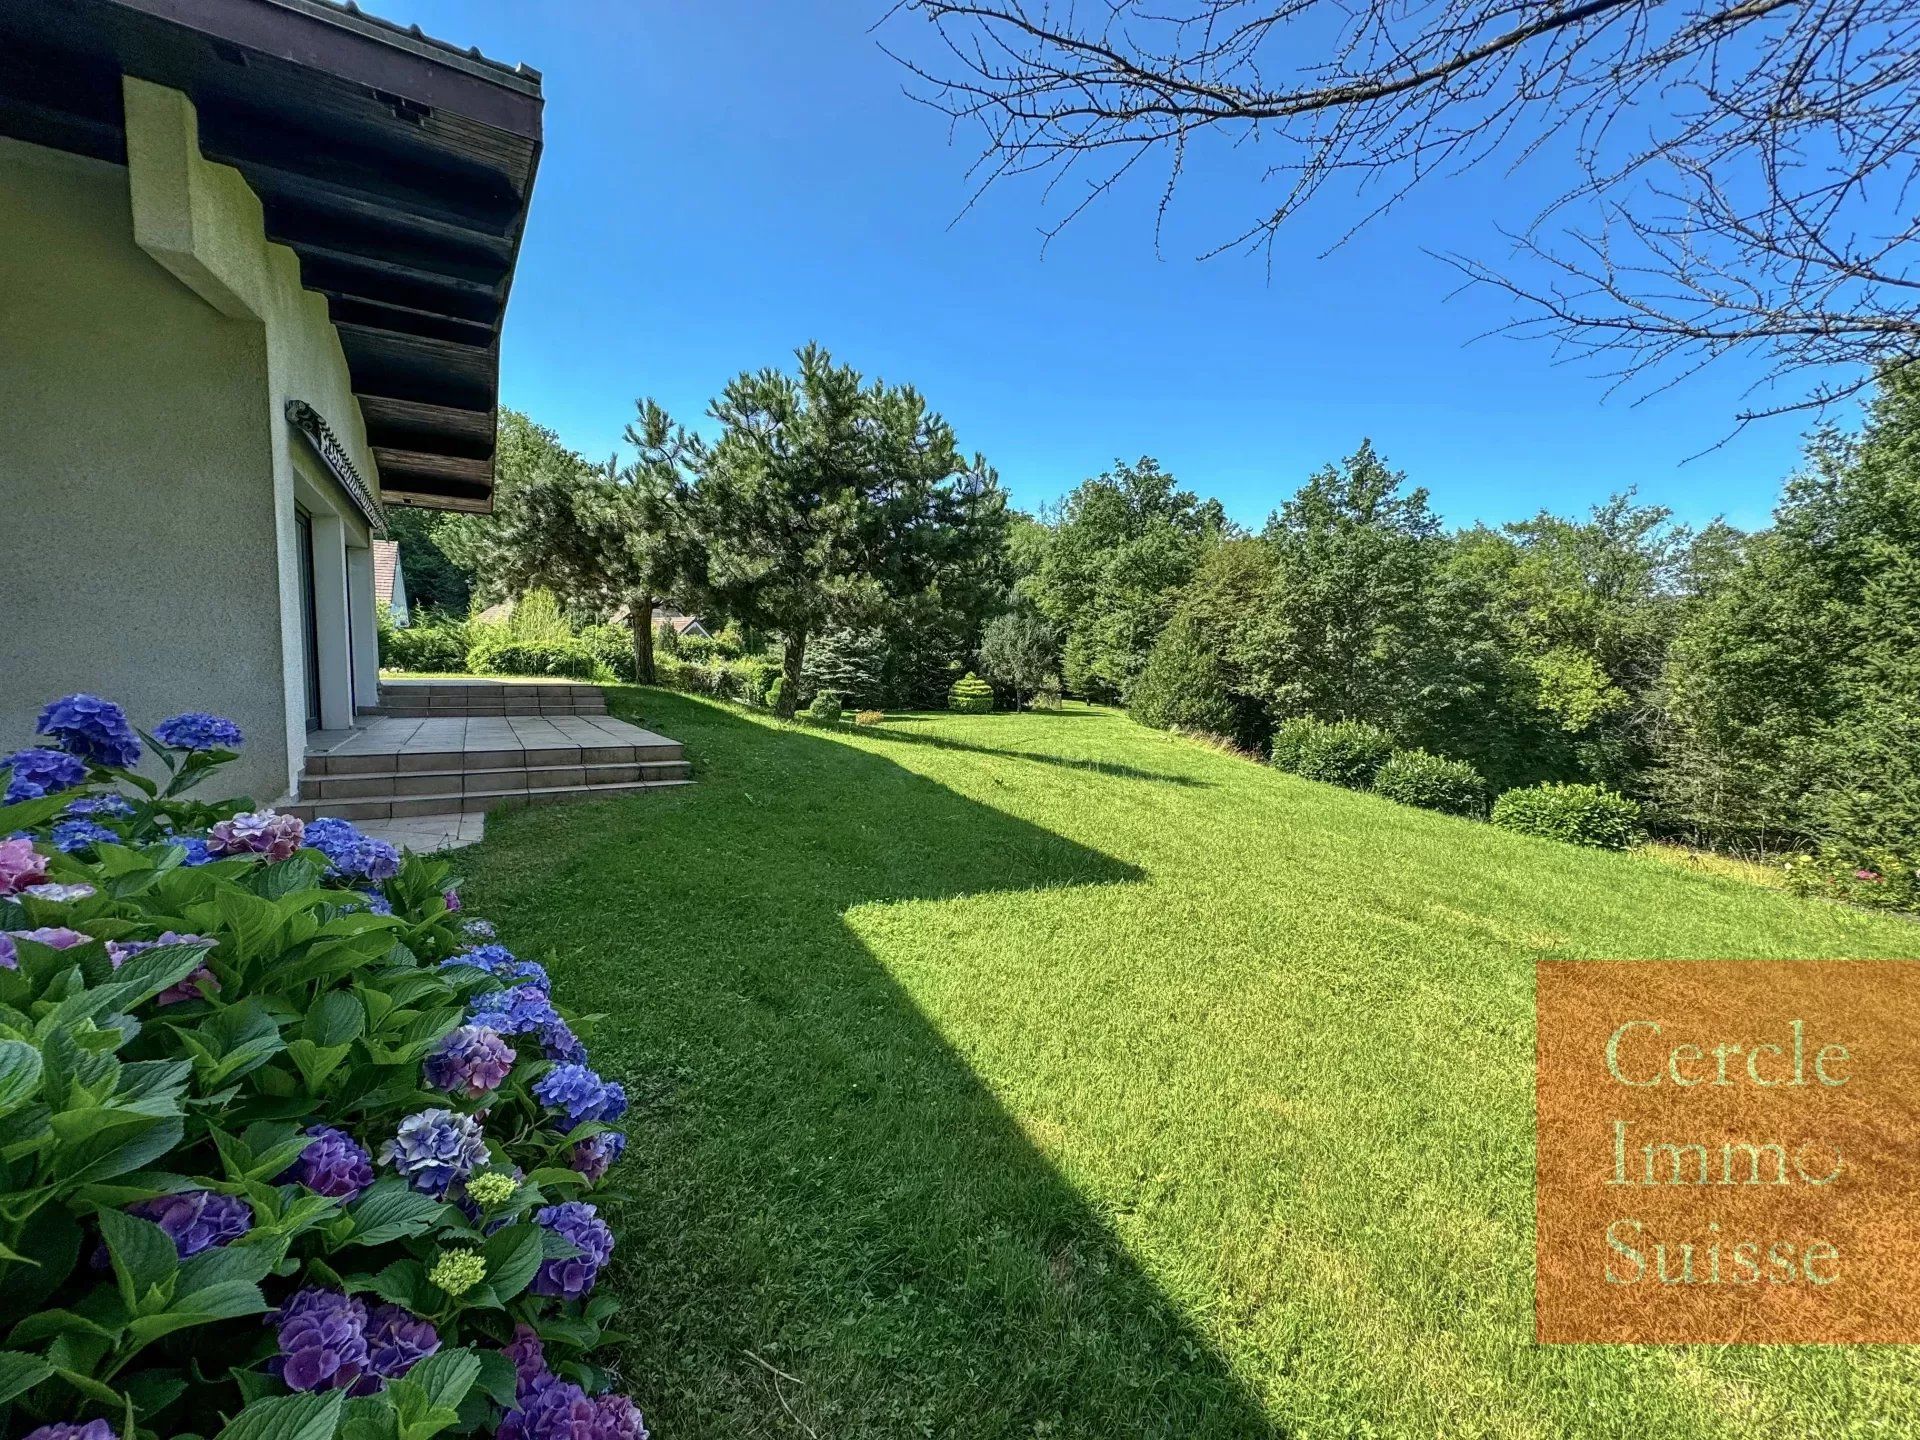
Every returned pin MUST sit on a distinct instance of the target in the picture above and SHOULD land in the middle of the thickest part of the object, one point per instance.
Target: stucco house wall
(150, 337)
(138, 552)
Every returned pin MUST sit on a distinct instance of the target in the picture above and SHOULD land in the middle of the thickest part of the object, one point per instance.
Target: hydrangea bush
(291, 1148)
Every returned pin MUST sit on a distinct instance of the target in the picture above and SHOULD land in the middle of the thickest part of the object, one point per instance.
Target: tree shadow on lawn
(892, 733)
(818, 1183)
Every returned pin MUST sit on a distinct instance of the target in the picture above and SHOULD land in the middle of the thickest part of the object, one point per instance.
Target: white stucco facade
(156, 503)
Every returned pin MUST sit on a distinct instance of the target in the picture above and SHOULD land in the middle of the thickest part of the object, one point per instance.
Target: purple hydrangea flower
(469, 1062)
(350, 851)
(32, 774)
(434, 1148)
(197, 1220)
(197, 984)
(197, 730)
(114, 807)
(72, 835)
(333, 1164)
(397, 1340)
(323, 1343)
(526, 1010)
(261, 832)
(578, 1222)
(58, 936)
(451, 899)
(597, 1154)
(60, 894)
(92, 728)
(74, 1430)
(580, 1095)
(502, 964)
(478, 930)
(20, 865)
(620, 1418)
(556, 1409)
(529, 1359)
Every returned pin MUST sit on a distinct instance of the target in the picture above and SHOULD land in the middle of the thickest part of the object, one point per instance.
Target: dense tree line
(1753, 691)
(1756, 691)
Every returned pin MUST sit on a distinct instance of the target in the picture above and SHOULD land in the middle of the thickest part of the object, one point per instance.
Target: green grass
(1045, 1076)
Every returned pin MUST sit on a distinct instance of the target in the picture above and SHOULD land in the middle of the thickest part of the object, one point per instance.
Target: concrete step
(396, 807)
(454, 781)
(418, 699)
(413, 762)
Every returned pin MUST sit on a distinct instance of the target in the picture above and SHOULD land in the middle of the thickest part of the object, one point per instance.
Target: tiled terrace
(427, 781)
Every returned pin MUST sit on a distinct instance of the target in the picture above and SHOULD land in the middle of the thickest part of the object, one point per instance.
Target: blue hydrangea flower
(526, 1010)
(92, 728)
(72, 835)
(597, 1154)
(435, 1148)
(197, 1220)
(578, 1222)
(114, 807)
(580, 1095)
(478, 930)
(469, 1062)
(323, 1342)
(376, 902)
(333, 1164)
(197, 730)
(196, 848)
(501, 963)
(351, 851)
(32, 774)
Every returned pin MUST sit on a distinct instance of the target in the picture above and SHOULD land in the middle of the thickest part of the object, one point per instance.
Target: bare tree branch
(1740, 177)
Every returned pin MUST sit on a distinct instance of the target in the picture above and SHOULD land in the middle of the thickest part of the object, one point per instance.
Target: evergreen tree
(850, 664)
(827, 501)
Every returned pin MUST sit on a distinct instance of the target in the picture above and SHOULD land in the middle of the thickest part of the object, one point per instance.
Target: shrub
(438, 648)
(1578, 814)
(497, 652)
(1878, 879)
(1343, 752)
(825, 709)
(276, 1125)
(754, 675)
(698, 649)
(1184, 685)
(970, 695)
(1047, 697)
(1414, 777)
(870, 717)
(612, 649)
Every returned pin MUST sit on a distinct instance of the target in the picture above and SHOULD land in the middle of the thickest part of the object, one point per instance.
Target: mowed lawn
(1045, 1076)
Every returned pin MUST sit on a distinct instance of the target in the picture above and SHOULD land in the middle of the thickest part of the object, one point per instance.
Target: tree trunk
(793, 656)
(640, 618)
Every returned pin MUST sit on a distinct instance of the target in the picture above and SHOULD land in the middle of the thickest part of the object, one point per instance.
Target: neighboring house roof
(495, 614)
(686, 625)
(386, 564)
(398, 169)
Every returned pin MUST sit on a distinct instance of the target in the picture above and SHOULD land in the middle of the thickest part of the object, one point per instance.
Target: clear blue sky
(726, 179)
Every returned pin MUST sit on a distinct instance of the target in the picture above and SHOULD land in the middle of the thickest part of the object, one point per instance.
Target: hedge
(1577, 814)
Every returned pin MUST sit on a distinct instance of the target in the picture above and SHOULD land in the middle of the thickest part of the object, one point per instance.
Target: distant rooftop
(397, 166)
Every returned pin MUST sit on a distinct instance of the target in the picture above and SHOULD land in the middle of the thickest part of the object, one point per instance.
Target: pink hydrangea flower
(20, 865)
(259, 832)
